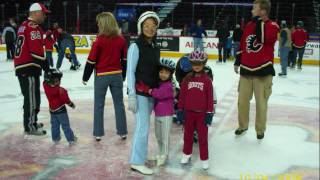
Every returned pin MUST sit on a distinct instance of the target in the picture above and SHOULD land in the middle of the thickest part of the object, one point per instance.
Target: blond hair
(107, 24)
(264, 5)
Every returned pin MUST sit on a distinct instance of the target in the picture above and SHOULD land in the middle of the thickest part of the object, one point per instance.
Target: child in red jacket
(48, 43)
(58, 97)
(196, 107)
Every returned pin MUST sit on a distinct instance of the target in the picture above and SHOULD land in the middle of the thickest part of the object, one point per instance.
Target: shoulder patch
(21, 29)
(32, 24)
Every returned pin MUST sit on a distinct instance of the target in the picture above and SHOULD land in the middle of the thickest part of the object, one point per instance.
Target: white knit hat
(144, 16)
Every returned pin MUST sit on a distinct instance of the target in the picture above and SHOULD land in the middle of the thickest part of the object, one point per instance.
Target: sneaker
(282, 74)
(260, 136)
(205, 164)
(98, 138)
(161, 160)
(240, 131)
(37, 132)
(123, 137)
(75, 139)
(142, 169)
(185, 158)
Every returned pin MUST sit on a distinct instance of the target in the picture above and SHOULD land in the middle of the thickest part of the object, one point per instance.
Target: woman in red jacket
(108, 58)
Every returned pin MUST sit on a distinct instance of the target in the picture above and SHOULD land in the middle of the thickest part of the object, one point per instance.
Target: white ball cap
(39, 7)
(144, 16)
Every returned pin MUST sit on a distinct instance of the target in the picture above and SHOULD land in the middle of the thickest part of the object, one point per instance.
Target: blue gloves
(208, 118)
(180, 116)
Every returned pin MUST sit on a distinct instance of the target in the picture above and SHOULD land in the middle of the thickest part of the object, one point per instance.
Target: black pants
(30, 88)
(222, 45)
(10, 50)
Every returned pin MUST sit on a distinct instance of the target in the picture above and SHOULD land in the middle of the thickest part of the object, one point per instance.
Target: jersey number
(19, 44)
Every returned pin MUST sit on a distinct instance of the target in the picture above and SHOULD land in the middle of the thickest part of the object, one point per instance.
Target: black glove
(237, 62)
(124, 69)
(180, 116)
(72, 105)
(208, 118)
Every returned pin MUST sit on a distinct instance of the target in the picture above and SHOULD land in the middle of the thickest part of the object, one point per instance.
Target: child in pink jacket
(163, 107)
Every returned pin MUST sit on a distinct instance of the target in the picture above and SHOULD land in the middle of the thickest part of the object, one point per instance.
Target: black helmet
(52, 75)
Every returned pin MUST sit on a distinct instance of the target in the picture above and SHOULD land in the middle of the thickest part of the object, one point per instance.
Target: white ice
(298, 89)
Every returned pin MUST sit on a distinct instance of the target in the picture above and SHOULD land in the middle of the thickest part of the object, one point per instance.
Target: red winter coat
(299, 38)
(256, 55)
(57, 97)
(196, 94)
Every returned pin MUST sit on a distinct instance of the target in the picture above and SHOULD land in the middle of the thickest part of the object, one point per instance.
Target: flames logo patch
(252, 44)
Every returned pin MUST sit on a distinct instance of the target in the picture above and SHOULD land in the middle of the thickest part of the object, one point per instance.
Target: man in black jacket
(223, 34)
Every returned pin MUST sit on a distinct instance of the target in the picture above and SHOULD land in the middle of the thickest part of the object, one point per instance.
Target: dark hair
(142, 35)
(167, 69)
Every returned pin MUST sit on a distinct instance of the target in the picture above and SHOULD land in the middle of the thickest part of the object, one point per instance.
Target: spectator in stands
(284, 47)
(125, 27)
(185, 30)
(223, 34)
(133, 25)
(9, 37)
(168, 30)
(197, 31)
(299, 41)
(236, 37)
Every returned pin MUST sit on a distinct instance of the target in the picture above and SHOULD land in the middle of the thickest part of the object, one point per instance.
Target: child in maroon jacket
(48, 43)
(196, 107)
(58, 97)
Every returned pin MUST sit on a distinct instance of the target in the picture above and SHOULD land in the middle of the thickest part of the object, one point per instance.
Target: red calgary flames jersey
(29, 52)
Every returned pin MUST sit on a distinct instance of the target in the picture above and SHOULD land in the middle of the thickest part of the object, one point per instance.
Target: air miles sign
(84, 41)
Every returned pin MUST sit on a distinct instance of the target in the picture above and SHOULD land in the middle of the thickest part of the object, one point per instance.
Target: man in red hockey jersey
(255, 60)
(299, 40)
(28, 61)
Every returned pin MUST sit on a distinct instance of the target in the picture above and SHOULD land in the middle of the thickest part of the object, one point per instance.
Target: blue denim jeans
(236, 46)
(284, 52)
(62, 48)
(198, 44)
(63, 120)
(101, 85)
(297, 52)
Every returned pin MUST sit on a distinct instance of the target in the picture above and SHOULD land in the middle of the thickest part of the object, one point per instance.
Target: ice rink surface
(290, 149)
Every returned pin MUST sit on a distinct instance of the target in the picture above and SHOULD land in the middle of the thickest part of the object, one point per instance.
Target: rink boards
(176, 46)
